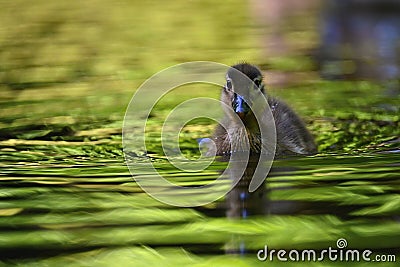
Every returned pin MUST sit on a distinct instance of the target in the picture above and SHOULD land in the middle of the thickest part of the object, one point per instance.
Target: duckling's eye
(257, 82)
(229, 85)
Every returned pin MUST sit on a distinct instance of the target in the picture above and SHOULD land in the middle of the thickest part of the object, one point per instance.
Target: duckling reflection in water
(241, 97)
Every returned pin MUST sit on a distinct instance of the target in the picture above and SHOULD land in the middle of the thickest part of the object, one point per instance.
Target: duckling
(242, 96)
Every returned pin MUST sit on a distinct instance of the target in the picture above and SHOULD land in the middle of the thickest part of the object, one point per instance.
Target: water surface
(67, 197)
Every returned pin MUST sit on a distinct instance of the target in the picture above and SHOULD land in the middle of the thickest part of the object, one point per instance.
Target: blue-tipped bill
(240, 106)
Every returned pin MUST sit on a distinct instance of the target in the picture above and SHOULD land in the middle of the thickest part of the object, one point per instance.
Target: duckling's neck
(250, 123)
(239, 134)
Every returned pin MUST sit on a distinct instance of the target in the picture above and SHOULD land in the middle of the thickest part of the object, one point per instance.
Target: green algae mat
(67, 198)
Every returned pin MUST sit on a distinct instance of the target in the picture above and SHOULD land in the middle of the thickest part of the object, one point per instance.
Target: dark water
(67, 197)
(359, 39)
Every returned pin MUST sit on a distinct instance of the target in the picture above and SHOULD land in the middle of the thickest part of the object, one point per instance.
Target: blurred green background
(67, 73)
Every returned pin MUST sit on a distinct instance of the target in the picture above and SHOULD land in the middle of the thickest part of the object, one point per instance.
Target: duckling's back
(292, 135)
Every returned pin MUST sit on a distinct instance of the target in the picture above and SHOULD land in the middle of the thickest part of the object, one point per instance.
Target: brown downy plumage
(242, 98)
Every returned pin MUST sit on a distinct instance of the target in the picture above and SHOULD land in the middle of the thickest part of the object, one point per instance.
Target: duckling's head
(244, 87)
